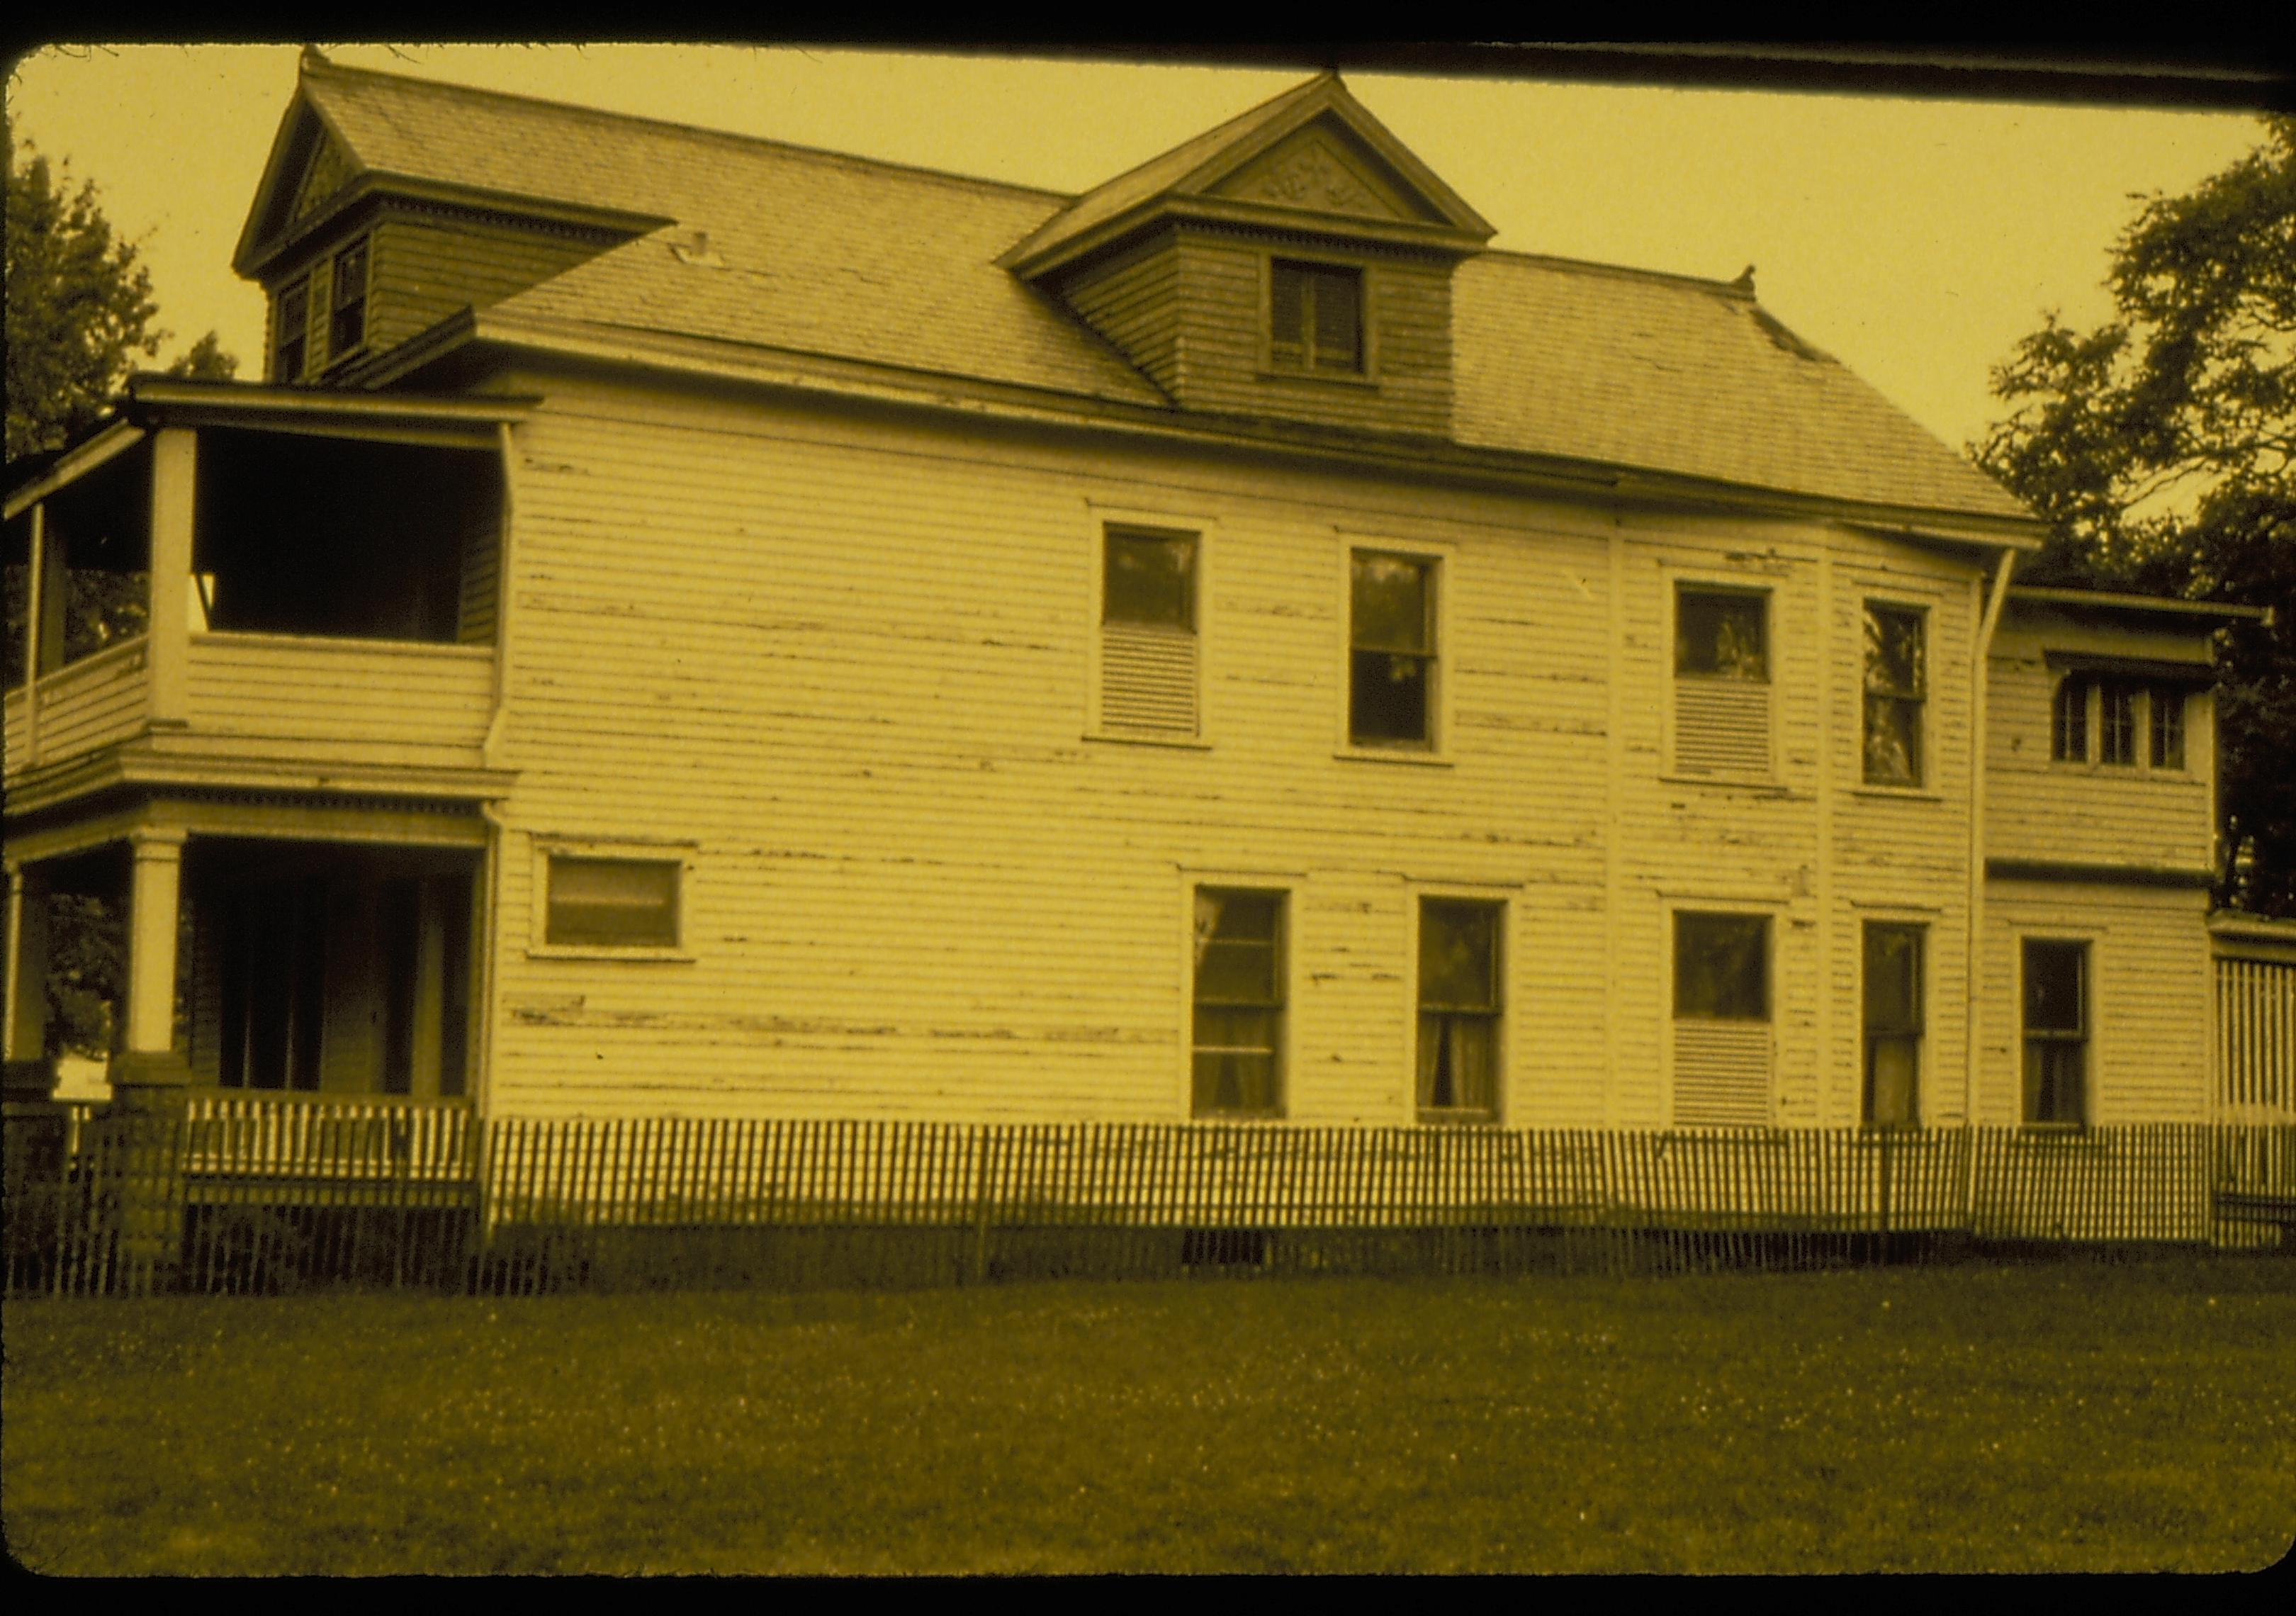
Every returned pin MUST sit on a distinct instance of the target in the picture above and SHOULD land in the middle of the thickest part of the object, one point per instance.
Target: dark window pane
(2069, 721)
(1893, 978)
(1721, 967)
(1338, 295)
(1239, 997)
(1151, 577)
(1387, 700)
(294, 319)
(616, 902)
(1893, 741)
(1458, 1065)
(1458, 956)
(1721, 636)
(1288, 312)
(2167, 729)
(2054, 988)
(1390, 601)
(1893, 651)
(1892, 1076)
(2056, 1080)
(2117, 723)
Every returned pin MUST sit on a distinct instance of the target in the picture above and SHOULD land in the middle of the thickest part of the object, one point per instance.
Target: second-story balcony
(259, 588)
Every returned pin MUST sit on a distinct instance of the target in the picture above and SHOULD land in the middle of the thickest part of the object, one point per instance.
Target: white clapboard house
(693, 626)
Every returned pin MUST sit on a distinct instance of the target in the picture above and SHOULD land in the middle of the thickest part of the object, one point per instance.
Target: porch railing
(79, 707)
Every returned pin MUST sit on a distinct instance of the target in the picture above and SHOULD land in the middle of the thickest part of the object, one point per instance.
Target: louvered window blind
(1721, 1021)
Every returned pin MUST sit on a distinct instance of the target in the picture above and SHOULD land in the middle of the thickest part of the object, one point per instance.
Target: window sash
(2056, 1015)
(2116, 725)
(628, 903)
(1721, 967)
(1894, 1017)
(1722, 634)
(1893, 740)
(2069, 721)
(1149, 578)
(1458, 1065)
(2167, 729)
(1391, 661)
(1315, 317)
(1896, 685)
(294, 317)
(347, 323)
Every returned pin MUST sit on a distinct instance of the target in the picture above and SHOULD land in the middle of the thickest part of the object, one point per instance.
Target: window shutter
(1721, 1074)
(1721, 725)
(1148, 679)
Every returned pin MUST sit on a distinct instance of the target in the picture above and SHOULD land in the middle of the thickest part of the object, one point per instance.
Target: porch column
(168, 651)
(150, 1059)
(29, 1075)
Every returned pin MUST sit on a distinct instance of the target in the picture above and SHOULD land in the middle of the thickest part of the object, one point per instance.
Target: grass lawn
(2068, 1416)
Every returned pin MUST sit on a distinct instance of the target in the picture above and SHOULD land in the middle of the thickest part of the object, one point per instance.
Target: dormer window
(1315, 318)
(348, 329)
(291, 333)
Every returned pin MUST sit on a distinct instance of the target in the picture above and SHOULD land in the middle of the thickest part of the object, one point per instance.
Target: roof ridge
(448, 86)
(1631, 272)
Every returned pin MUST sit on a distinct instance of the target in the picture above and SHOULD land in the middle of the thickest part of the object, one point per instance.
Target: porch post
(173, 467)
(150, 1059)
(29, 1075)
(50, 587)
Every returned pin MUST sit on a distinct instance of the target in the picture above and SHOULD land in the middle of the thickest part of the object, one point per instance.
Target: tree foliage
(80, 314)
(80, 308)
(2161, 449)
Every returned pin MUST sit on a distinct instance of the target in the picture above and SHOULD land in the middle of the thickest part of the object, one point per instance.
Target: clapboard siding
(90, 704)
(425, 269)
(2150, 974)
(850, 666)
(341, 701)
(1223, 364)
(2090, 812)
(1132, 298)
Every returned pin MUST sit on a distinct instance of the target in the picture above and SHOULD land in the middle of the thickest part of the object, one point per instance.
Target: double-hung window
(290, 334)
(2167, 728)
(1721, 681)
(1314, 317)
(2068, 720)
(347, 323)
(1893, 1025)
(1391, 661)
(2132, 722)
(2116, 723)
(2056, 981)
(1460, 1006)
(1721, 1020)
(1148, 664)
(1237, 1040)
(1896, 691)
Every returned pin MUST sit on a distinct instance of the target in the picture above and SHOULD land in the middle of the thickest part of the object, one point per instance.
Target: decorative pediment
(1316, 171)
(330, 169)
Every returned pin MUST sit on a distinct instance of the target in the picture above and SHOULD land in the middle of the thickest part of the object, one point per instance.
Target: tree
(2161, 449)
(79, 315)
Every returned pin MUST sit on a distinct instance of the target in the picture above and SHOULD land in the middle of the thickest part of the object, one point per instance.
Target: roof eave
(2138, 605)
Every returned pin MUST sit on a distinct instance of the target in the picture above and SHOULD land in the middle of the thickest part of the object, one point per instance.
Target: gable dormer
(363, 234)
(1294, 263)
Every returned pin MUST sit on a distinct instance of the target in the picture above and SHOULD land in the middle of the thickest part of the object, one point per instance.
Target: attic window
(1314, 317)
(291, 333)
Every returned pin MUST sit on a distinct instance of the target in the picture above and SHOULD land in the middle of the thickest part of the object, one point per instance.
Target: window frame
(300, 287)
(1098, 518)
(1193, 885)
(1366, 370)
(1440, 561)
(1502, 921)
(338, 349)
(1773, 914)
(1678, 584)
(2148, 699)
(549, 847)
(2084, 1038)
(2165, 699)
(1918, 698)
(1919, 1032)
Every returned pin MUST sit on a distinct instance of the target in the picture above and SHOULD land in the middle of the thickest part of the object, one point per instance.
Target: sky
(1914, 240)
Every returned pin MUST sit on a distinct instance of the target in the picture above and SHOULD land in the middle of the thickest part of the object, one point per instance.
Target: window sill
(2054, 1133)
(2124, 771)
(1898, 794)
(1185, 743)
(1238, 1118)
(1767, 784)
(1457, 1119)
(1269, 373)
(595, 951)
(1380, 754)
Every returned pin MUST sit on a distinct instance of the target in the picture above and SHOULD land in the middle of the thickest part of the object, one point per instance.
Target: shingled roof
(783, 248)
